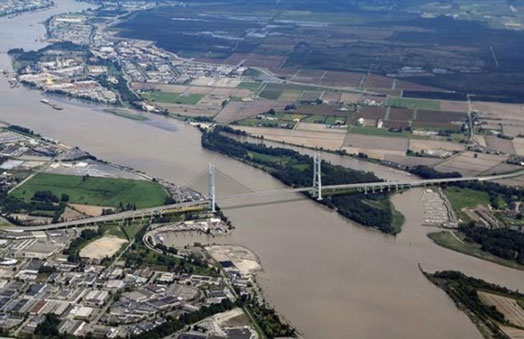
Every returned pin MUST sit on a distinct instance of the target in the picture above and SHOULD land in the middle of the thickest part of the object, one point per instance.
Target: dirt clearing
(106, 246)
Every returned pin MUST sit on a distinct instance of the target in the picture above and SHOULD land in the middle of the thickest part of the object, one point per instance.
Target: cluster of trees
(426, 172)
(140, 255)
(173, 325)
(167, 249)
(269, 321)
(49, 327)
(20, 129)
(296, 170)
(503, 243)
(362, 208)
(47, 196)
(73, 250)
(10, 204)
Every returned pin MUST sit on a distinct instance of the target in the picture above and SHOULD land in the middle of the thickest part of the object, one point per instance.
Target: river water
(329, 277)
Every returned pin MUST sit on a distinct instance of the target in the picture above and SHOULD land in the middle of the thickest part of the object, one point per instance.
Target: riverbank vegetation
(268, 320)
(472, 296)
(88, 190)
(503, 243)
(456, 241)
(296, 170)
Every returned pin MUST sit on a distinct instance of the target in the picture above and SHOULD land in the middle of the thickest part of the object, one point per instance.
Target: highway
(146, 212)
(371, 187)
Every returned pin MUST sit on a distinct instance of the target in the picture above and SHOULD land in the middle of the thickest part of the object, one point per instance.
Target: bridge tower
(317, 176)
(211, 187)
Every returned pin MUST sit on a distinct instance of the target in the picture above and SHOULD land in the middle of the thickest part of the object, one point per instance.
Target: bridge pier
(211, 188)
(365, 190)
(317, 176)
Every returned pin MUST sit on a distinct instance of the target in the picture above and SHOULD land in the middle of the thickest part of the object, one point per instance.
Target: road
(375, 185)
(146, 212)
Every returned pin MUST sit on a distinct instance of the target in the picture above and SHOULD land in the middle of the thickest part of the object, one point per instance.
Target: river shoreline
(329, 278)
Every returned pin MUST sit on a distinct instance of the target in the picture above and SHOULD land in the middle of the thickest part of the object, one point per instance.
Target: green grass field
(271, 94)
(173, 98)
(447, 240)
(315, 119)
(464, 197)
(94, 190)
(252, 86)
(381, 132)
(414, 103)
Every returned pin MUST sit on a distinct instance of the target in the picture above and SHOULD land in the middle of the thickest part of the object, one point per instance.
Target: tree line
(296, 170)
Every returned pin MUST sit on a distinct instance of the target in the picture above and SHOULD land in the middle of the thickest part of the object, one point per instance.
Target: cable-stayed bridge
(235, 190)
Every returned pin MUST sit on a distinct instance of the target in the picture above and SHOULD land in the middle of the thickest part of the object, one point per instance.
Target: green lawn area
(315, 119)
(465, 197)
(131, 230)
(414, 103)
(173, 98)
(94, 190)
(252, 86)
(252, 122)
(447, 240)
(289, 116)
(271, 94)
(333, 120)
(114, 230)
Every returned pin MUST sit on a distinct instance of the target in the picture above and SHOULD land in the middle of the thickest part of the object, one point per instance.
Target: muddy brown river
(329, 277)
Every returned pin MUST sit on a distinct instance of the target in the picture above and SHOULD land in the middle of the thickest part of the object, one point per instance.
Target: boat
(55, 106)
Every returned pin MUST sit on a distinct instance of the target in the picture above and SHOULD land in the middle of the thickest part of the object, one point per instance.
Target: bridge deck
(161, 209)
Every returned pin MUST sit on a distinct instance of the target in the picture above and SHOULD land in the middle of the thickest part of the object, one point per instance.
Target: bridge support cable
(317, 176)
(211, 188)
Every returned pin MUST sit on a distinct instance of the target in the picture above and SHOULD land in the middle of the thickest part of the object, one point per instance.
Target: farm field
(512, 332)
(411, 161)
(173, 98)
(237, 110)
(95, 191)
(518, 145)
(331, 139)
(507, 306)
(413, 103)
(499, 144)
(376, 146)
(439, 119)
(369, 130)
(90, 210)
(418, 145)
(470, 163)
(252, 86)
